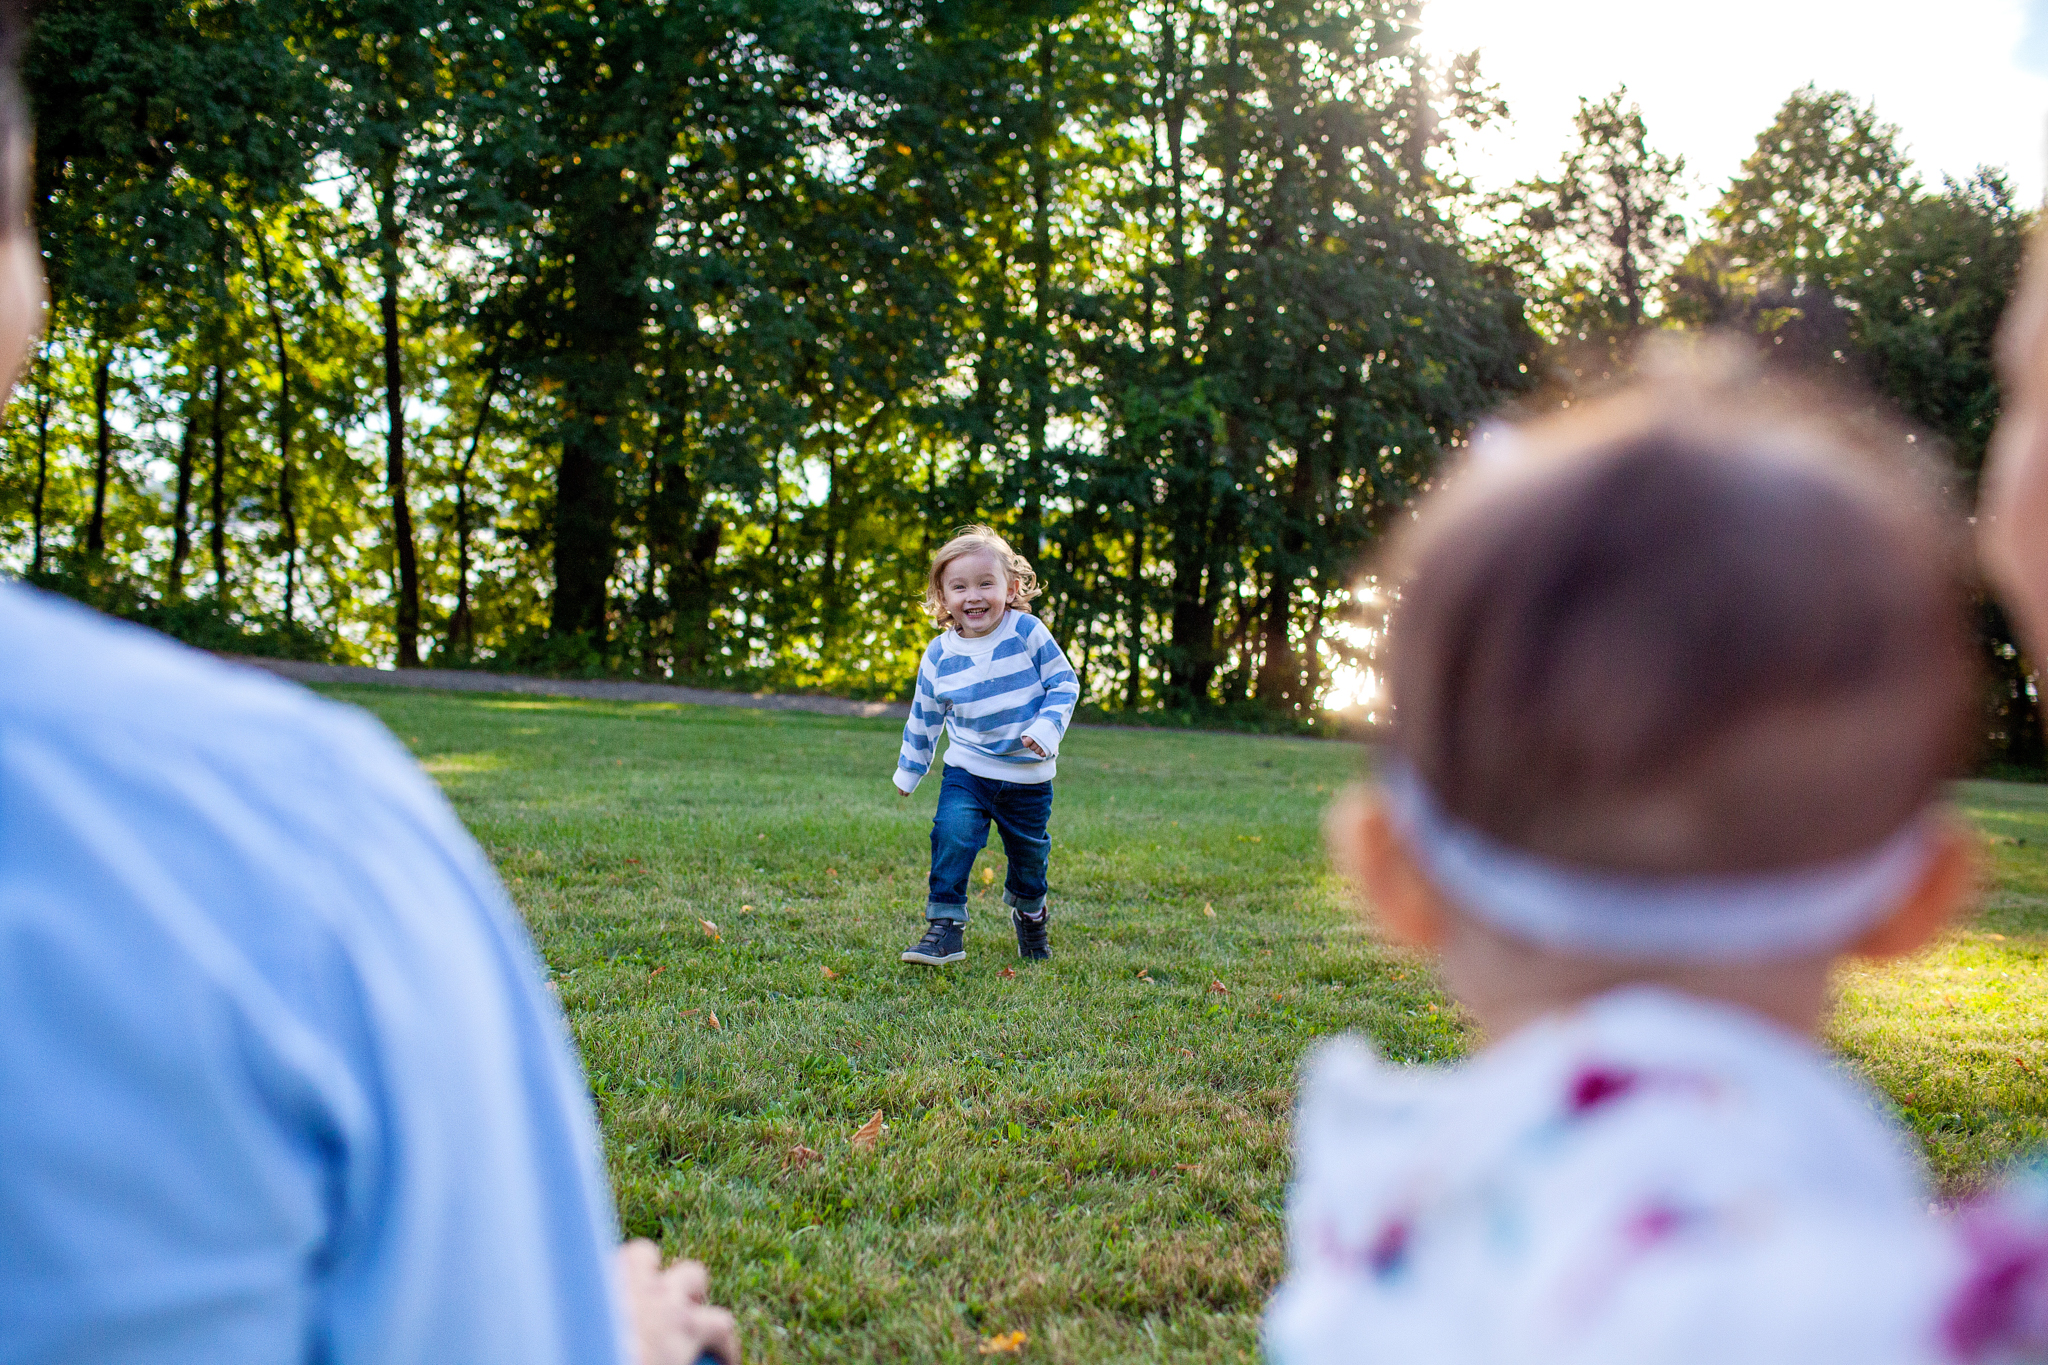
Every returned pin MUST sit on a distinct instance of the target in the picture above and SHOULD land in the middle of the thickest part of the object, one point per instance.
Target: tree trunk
(181, 512)
(96, 529)
(584, 544)
(1040, 400)
(44, 403)
(1189, 664)
(1133, 680)
(605, 332)
(408, 623)
(461, 629)
(688, 543)
(286, 512)
(653, 528)
(217, 488)
(1279, 684)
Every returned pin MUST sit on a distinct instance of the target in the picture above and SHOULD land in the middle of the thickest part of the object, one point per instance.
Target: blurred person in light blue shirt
(279, 1077)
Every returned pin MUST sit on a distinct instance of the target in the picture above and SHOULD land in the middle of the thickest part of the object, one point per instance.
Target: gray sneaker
(1031, 934)
(945, 940)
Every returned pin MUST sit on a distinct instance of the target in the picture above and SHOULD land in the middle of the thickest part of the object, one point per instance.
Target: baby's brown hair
(968, 540)
(1709, 625)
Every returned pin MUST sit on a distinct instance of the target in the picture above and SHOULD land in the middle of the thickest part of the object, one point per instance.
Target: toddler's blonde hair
(968, 540)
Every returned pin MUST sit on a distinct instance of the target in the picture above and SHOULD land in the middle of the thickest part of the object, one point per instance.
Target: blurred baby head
(1707, 626)
(1676, 680)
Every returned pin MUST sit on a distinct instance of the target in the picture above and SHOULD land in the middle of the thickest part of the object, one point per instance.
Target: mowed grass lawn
(1091, 1151)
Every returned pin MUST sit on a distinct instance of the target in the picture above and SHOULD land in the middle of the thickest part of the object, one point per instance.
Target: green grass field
(1092, 1151)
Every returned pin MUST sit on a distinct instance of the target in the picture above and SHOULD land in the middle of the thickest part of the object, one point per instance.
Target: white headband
(1728, 918)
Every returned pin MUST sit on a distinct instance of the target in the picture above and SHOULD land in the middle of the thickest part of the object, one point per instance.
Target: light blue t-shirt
(279, 1077)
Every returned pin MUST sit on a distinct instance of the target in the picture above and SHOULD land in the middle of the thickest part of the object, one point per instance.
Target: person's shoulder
(73, 671)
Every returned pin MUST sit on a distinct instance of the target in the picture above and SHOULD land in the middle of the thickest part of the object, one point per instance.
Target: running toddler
(1678, 682)
(1000, 688)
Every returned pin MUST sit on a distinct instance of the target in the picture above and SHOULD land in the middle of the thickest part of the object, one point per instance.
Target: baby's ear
(1371, 854)
(1946, 887)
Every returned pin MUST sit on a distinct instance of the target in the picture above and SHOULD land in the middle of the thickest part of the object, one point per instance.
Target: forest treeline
(622, 336)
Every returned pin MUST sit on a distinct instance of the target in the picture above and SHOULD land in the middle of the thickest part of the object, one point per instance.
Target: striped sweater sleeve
(1062, 689)
(921, 730)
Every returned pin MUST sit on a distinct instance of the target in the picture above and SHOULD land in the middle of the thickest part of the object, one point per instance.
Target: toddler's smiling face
(975, 590)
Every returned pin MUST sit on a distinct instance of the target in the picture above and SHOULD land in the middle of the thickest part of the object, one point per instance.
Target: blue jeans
(960, 829)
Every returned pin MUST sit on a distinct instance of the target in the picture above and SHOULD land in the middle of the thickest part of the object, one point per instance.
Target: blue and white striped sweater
(989, 693)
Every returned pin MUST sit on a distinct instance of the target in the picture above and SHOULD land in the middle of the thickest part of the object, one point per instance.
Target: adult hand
(669, 1308)
(2012, 510)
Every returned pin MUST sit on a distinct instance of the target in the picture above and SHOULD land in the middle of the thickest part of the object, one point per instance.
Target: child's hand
(673, 1322)
(2013, 510)
(1032, 745)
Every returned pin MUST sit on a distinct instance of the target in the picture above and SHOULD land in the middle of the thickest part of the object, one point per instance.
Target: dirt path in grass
(459, 680)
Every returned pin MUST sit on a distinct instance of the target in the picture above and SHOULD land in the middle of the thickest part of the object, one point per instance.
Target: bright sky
(1964, 80)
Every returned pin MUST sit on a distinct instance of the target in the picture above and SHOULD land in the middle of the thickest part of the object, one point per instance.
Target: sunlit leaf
(1004, 1343)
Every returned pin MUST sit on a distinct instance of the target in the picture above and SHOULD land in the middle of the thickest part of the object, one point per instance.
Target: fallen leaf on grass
(746, 909)
(831, 871)
(1144, 975)
(1218, 988)
(868, 1133)
(1209, 909)
(712, 1019)
(711, 931)
(1186, 1166)
(2021, 1063)
(830, 975)
(801, 1156)
(1187, 1052)
(659, 970)
(988, 876)
(1004, 1343)
(1007, 971)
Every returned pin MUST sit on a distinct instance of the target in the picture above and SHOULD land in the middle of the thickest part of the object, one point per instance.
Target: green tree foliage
(603, 335)
(1593, 241)
(1825, 175)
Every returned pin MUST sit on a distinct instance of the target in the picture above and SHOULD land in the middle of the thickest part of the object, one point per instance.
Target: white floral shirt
(1646, 1179)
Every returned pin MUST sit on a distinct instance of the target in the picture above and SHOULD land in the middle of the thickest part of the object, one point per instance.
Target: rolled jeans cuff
(1033, 906)
(940, 910)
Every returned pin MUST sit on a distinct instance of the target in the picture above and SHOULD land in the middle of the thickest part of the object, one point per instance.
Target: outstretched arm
(1062, 692)
(2012, 520)
(921, 730)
